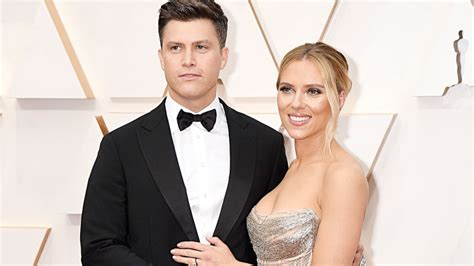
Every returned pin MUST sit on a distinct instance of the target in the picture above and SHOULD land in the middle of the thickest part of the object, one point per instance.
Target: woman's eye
(285, 89)
(314, 91)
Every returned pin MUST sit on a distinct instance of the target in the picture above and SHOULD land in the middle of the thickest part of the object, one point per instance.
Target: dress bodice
(283, 238)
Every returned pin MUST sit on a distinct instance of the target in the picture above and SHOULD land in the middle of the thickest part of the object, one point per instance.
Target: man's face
(192, 58)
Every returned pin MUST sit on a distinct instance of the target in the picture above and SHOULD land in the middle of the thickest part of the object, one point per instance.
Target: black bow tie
(207, 119)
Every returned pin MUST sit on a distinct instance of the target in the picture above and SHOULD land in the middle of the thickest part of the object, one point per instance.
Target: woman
(315, 215)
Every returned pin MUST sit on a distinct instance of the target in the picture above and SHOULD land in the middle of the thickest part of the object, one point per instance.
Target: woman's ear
(342, 99)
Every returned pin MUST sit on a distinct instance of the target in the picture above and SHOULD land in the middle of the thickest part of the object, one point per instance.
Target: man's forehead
(194, 42)
(190, 31)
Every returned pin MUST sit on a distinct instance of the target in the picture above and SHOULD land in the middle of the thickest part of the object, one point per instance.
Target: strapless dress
(283, 238)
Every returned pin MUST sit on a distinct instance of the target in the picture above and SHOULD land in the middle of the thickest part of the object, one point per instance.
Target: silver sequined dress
(284, 238)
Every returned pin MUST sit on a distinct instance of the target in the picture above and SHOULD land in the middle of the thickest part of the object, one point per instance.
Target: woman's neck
(312, 149)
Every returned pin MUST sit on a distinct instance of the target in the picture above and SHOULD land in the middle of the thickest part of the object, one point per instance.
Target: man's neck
(195, 106)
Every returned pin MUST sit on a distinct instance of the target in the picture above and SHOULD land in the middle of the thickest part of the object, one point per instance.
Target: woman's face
(302, 100)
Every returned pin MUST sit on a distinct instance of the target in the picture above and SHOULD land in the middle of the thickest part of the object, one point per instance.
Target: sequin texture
(284, 238)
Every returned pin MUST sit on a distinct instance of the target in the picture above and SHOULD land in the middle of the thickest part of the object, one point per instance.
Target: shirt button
(205, 196)
(203, 164)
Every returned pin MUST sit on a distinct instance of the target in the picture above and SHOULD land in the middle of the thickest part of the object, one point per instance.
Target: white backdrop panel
(271, 120)
(19, 246)
(17, 19)
(423, 196)
(288, 24)
(405, 46)
(250, 71)
(463, 247)
(3, 152)
(116, 120)
(117, 43)
(363, 135)
(36, 63)
(59, 134)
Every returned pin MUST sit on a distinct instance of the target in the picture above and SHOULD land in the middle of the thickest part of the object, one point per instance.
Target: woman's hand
(195, 253)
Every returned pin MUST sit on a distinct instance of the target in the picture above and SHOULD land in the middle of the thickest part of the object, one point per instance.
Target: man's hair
(187, 10)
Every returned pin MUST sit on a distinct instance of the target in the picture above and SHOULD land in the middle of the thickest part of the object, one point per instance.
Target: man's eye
(285, 89)
(313, 91)
(175, 48)
(201, 47)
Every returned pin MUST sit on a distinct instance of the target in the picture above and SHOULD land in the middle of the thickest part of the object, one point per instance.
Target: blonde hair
(334, 70)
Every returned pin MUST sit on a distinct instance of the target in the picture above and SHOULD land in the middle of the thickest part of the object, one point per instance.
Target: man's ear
(225, 54)
(342, 99)
(160, 55)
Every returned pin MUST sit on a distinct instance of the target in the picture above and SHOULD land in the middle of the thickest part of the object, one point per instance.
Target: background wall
(65, 62)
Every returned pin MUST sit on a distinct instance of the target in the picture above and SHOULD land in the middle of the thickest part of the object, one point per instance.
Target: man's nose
(188, 59)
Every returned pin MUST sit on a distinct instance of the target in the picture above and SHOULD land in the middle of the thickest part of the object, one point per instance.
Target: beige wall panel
(404, 46)
(32, 44)
(117, 42)
(250, 71)
(288, 24)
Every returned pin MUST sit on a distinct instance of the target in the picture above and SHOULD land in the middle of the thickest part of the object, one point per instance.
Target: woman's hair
(334, 70)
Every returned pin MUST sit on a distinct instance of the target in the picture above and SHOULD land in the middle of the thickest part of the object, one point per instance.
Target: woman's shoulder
(344, 162)
(345, 184)
(345, 171)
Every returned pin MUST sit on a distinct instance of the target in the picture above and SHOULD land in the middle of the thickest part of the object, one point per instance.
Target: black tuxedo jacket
(136, 208)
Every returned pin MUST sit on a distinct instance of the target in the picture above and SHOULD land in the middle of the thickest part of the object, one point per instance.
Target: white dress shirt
(204, 161)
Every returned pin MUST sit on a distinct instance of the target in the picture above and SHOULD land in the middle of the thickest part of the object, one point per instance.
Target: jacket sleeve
(280, 167)
(104, 225)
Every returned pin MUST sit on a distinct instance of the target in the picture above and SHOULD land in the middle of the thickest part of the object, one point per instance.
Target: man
(162, 179)
(189, 169)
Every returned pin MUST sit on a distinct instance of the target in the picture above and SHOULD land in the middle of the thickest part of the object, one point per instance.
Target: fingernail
(179, 245)
(172, 251)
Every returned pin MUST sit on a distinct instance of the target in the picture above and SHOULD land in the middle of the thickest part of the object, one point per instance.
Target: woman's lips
(298, 120)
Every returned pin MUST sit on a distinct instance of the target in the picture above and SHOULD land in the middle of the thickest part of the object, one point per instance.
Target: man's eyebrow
(180, 43)
(173, 43)
(201, 41)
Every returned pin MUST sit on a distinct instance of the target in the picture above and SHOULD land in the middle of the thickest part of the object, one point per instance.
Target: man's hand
(195, 253)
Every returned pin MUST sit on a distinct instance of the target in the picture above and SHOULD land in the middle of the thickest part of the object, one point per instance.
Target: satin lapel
(242, 162)
(158, 149)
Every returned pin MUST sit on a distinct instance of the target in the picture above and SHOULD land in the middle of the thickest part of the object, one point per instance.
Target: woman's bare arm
(343, 201)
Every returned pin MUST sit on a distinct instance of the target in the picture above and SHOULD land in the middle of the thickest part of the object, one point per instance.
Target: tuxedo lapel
(157, 145)
(242, 162)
